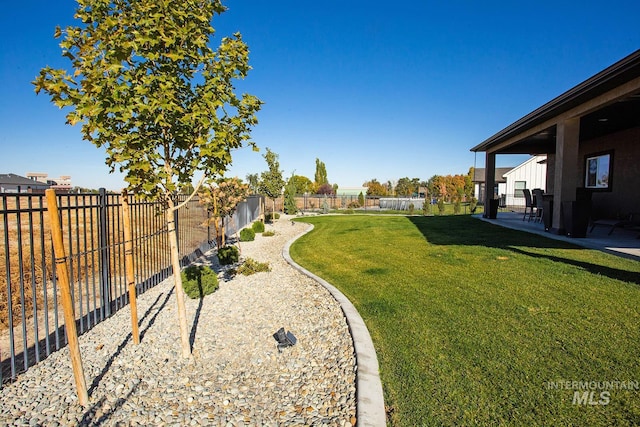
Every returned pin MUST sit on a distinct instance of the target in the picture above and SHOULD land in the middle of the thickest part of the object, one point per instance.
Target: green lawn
(475, 324)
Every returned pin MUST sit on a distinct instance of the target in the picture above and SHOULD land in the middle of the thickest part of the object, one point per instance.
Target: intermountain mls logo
(592, 393)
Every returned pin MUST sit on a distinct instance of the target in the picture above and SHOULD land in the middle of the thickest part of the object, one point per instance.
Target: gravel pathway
(236, 376)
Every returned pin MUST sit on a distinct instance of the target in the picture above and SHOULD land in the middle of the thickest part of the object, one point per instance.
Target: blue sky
(373, 89)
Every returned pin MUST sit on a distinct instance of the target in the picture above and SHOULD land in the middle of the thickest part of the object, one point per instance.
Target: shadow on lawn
(464, 230)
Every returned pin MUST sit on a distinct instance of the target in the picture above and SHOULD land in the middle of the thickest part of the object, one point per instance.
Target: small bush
(353, 205)
(441, 206)
(457, 207)
(473, 204)
(258, 227)
(349, 211)
(198, 281)
(269, 216)
(426, 208)
(247, 235)
(412, 207)
(325, 206)
(228, 255)
(251, 266)
(269, 233)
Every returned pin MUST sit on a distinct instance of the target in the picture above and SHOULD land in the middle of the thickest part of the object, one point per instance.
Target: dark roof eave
(621, 72)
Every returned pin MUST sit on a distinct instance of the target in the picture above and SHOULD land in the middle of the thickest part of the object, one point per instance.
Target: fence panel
(31, 321)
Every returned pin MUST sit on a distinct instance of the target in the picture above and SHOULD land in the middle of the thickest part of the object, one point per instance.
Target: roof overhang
(605, 103)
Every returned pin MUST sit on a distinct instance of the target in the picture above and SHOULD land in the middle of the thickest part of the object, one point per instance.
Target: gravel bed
(236, 376)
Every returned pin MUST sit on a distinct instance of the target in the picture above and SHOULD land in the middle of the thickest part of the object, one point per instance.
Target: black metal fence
(31, 321)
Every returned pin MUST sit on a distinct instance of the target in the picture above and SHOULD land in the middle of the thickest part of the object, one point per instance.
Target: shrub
(199, 280)
(258, 226)
(228, 255)
(269, 233)
(349, 211)
(426, 207)
(411, 208)
(268, 217)
(457, 207)
(473, 204)
(353, 205)
(325, 206)
(247, 235)
(441, 206)
(251, 266)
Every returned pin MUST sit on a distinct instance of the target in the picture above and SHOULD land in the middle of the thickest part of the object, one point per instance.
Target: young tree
(290, 197)
(147, 87)
(271, 181)
(222, 198)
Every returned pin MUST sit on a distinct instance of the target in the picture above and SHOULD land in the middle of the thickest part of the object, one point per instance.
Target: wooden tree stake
(128, 262)
(62, 271)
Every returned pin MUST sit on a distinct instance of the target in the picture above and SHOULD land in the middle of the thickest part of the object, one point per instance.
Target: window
(518, 186)
(598, 168)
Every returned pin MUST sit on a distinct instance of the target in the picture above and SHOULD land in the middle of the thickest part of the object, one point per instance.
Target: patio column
(566, 169)
(489, 180)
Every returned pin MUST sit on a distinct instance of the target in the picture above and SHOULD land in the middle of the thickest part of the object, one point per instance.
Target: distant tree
(468, 184)
(303, 184)
(84, 190)
(187, 188)
(320, 176)
(290, 196)
(221, 199)
(147, 87)
(374, 188)
(325, 189)
(253, 181)
(271, 181)
(437, 187)
(407, 187)
(391, 188)
(431, 186)
(361, 199)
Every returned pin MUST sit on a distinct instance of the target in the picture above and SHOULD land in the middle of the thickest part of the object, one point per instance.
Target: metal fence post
(175, 220)
(104, 258)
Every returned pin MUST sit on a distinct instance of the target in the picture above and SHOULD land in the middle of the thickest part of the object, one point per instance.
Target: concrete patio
(622, 242)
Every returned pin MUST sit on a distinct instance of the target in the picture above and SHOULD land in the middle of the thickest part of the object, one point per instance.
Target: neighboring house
(591, 137)
(499, 183)
(61, 184)
(12, 183)
(530, 174)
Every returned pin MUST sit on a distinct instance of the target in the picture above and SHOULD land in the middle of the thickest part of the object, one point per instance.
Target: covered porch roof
(597, 109)
(605, 103)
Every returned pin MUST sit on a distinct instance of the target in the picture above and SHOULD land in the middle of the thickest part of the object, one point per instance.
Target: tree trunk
(177, 280)
(223, 233)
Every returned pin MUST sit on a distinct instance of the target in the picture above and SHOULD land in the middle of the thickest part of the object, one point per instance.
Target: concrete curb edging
(370, 409)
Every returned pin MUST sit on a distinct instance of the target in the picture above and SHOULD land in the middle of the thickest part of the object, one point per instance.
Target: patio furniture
(528, 203)
(538, 203)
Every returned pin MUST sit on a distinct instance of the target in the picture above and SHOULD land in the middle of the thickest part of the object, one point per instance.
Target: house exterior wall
(624, 197)
(532, 172)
